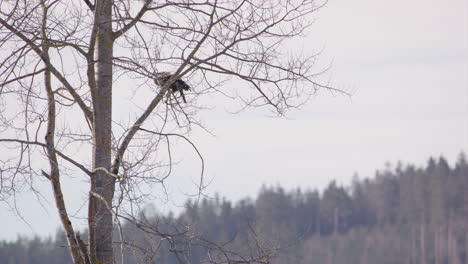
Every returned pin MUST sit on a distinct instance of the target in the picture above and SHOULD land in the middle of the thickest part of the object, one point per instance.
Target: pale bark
(54, 175)
(436, 245)
(466, 237)
(423, 242)
(103, 184)
(449, 238)
(413, 245)
(465, 220)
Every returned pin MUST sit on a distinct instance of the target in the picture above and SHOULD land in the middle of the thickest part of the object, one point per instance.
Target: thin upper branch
(22, 77)
(62, 155)
(136, 126)
(134, 20)
(88, 113)
(89, 4)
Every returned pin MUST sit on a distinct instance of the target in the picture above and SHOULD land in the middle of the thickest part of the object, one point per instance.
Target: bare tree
(64, 58)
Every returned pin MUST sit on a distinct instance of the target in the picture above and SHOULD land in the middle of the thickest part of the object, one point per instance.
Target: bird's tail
(183, 96)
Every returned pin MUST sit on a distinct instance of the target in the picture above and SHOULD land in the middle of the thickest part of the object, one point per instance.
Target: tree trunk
(103, 185)
(436, 244)
(449, 239)
(54, 175)
(413, 246)
(466, 238)
(366, 248)
(423, 242)
(465, 222)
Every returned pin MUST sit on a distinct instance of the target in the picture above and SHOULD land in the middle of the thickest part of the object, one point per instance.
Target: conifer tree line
(405, 214)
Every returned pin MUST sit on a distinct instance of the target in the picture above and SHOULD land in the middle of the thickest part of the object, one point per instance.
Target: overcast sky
(406, 62)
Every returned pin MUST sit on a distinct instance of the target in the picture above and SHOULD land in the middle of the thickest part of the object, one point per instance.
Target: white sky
(405, 60)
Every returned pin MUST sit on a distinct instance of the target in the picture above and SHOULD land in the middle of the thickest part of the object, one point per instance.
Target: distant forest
(403, 215)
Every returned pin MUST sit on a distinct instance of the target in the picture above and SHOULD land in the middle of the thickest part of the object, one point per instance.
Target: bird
(178, 85)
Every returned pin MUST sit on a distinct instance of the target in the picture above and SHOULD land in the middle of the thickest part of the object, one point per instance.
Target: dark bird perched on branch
(177, 85)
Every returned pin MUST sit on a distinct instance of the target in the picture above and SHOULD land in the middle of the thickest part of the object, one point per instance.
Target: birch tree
(65, 58)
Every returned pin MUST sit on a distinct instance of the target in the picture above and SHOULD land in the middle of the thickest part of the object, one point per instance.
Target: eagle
(178, 85)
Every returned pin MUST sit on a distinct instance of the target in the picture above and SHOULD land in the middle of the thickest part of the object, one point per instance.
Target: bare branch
(50, 146)
(134, 20)
(193, 146)
(22, 77)
(89, 4)
(53, 70)
(62, 155)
